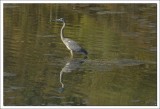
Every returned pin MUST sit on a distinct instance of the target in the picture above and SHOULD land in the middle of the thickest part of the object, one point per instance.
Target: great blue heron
(70, 44)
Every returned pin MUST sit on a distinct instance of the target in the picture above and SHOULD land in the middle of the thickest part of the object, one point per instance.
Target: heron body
(69, 43)
(73, 46)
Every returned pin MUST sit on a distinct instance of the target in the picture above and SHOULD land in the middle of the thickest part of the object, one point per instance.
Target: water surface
(121, 68)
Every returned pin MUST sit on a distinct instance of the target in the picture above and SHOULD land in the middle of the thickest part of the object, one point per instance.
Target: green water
(121, 68)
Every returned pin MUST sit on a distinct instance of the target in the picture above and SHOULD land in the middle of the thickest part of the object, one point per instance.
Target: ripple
(58, 97)
(104, 65)
(46, 36)
(153, 49)
(110, 12)
(9, 74)
(16, 87)
(128, 62)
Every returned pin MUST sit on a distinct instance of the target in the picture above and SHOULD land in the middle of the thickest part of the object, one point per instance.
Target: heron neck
(62, 31)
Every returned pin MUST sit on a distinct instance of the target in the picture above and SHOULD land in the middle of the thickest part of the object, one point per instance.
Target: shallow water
(121, 68)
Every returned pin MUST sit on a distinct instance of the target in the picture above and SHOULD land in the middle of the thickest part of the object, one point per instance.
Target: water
(121, 68)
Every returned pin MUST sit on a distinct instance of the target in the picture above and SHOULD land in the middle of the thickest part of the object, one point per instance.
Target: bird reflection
(71, 65)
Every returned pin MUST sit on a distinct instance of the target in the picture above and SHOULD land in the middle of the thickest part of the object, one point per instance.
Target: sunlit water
(121, 68)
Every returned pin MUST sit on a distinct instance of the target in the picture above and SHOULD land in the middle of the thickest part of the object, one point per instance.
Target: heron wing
(72, 45)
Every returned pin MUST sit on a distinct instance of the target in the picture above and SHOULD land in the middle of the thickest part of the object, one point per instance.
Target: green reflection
(121, 68)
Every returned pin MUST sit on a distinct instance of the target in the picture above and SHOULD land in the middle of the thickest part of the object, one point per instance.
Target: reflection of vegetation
(108, 32)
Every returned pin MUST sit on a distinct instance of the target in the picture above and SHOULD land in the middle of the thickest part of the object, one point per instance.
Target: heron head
(59, 20)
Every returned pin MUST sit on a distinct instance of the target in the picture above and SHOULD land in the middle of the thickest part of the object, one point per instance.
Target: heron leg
(71, 53)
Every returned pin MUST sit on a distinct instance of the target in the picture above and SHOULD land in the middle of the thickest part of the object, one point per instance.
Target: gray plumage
(70, 44)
